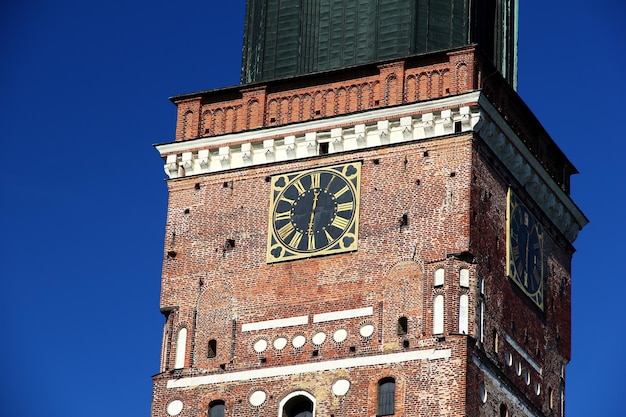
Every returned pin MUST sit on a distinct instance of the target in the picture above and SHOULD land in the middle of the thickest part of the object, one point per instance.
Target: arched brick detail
(354, 99)
(331, 103)
(403, 286)
(372, 391)
(296, 109)
(253, 110)
(318, 104)
(187, 124)
(391, 90)
(410, 89)
(284, 112)
(462, 78)
(423, 87)
(342, 98)
(436, 84)
(219, 120)
(307, 107)
(272, 112)
(230, 118)
(215, 313)
(205, 123)
(446, 82)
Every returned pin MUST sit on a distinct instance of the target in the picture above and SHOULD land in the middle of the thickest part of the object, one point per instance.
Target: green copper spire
(284, 38)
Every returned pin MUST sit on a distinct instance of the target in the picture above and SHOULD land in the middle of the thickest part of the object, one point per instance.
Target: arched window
(181, 344)
(212, 349)
(386, 397)
(403, 326)
(216, 408)
(463, 314)
(298, 406)
(464, 278)
(504, 411)
(438, 315)
(439, 277)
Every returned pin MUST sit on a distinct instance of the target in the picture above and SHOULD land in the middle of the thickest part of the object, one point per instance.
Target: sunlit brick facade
(421, 319)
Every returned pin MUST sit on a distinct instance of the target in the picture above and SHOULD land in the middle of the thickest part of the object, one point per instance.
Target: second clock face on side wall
(314, 212)
(525, 252)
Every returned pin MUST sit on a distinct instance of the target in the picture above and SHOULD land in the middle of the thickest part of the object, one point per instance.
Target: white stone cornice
(331, 365)
(528, 171)
(368, 129)
(301, 140)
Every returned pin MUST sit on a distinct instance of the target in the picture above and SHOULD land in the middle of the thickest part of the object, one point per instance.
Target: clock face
(525, 250)
(314, 212)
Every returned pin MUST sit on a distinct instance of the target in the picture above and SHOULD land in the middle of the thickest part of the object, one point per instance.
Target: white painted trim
(296, 394)
(523, 353)
(275, 324)
(321, 124)
(528, 170)
(343, 314)
(503, 388)
(429, 354)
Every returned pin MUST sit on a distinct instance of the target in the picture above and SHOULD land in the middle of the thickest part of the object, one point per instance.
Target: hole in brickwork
(376, 102)
(405, 344)
(447, 91)
(425, 153)
(171, 254)
(212, 349)
(272, 119)
(187, 211)
(417, 182)
(263, 360)
(268, 179)
(207, 131)
(316, 352)
(318, 112)
(376, 161)
(223, 366)
(403, 325)
(452, 174)
(197, 186)
(352, 348)
(226, 184)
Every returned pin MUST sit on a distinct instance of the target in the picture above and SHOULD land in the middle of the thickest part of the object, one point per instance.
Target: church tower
(369, 231)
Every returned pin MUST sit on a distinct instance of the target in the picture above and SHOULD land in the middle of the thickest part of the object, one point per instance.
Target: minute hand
(316, 194)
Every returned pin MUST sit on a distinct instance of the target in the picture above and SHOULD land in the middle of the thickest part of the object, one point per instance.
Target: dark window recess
(403, 326)
(323, 149)
(212, 349)
(457, 127)
(216, 408)
(386, 397)
(299, 406)
(504, 411)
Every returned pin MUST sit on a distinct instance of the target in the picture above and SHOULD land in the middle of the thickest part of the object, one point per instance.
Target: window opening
(216, 408)
(386, 397)
(403, 326)
(299, 406)
(438, 315)
(181, 343)
(212, 349)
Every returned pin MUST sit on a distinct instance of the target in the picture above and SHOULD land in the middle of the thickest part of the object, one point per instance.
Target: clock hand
(316, 194)
(526, 256)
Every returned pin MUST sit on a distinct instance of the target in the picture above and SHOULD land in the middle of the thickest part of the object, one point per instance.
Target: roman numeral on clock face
(340, 222)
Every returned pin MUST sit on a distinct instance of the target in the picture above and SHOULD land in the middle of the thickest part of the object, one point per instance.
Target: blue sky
(84, 89)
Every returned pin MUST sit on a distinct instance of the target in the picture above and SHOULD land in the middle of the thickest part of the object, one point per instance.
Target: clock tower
(390, 235)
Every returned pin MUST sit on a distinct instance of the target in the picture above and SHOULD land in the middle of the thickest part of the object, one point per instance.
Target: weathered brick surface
(454, 195)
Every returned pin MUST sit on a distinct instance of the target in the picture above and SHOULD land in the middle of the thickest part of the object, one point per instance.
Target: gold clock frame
(277, 249)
